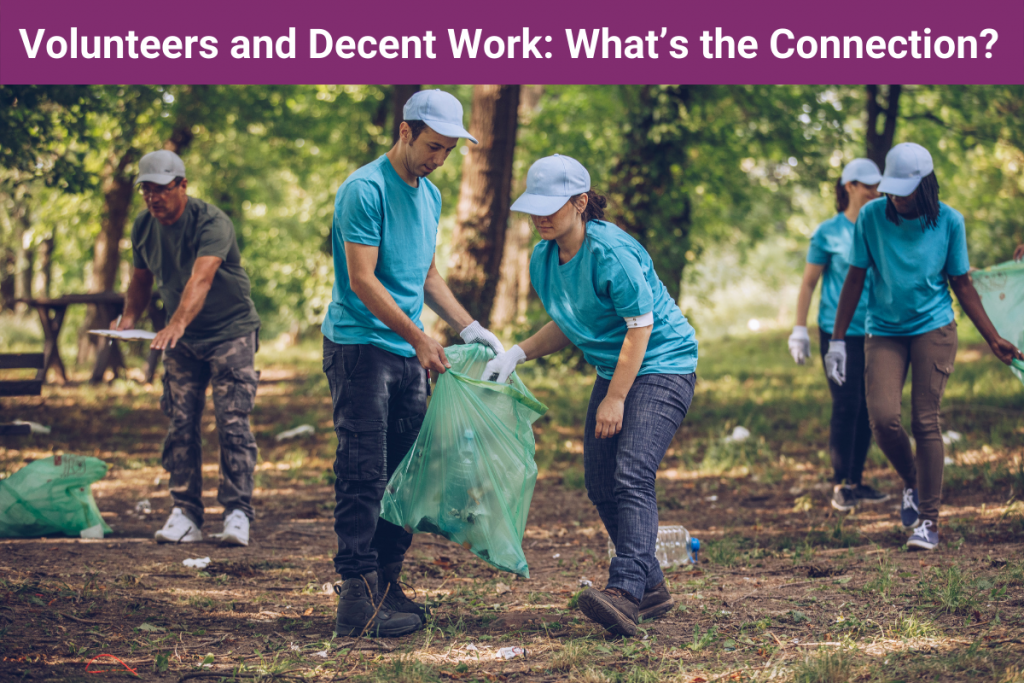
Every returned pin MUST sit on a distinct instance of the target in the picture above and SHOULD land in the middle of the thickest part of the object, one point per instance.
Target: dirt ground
(785, 589)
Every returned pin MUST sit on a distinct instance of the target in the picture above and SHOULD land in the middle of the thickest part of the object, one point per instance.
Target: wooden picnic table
(51, 316)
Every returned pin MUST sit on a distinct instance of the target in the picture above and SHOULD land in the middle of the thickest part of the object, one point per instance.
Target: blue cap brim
(538, 204)
(867, 179)
(901, 187)
(450, 130)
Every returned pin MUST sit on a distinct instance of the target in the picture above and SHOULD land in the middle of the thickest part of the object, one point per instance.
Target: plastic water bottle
(460, 479)
(674, 547)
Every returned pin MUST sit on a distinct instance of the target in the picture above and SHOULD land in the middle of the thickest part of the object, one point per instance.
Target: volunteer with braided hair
(916, 248)
(828, 259)
(600, 288)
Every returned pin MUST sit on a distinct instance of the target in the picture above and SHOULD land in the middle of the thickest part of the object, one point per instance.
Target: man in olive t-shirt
(188, 248)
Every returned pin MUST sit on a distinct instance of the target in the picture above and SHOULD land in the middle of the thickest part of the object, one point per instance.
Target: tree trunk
(44, 277)
(118, 191)
(482, 216)
(400, 94)
(512, 297)
(24, 257)
(646, 175)
(878, 144)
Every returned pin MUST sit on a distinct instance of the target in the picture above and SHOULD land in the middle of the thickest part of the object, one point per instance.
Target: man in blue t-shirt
(377, 355)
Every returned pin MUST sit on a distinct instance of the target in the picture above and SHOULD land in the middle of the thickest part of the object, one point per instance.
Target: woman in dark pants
(600, 288)
(828, 259)
(916, 249)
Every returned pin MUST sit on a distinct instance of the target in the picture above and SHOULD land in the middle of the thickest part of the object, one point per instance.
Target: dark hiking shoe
(843, 498)
(656, 602)
(358, 613)
(868, 494)
(395, 599)
(909, 512)
(613, 608)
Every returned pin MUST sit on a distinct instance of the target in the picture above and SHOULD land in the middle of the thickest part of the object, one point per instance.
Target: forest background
(722, 184)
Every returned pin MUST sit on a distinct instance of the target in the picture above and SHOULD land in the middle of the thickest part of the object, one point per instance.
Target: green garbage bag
(1001, 288)
(470, 475)
(51, 495)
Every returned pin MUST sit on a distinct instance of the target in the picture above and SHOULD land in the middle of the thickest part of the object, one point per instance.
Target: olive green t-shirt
(169, 252)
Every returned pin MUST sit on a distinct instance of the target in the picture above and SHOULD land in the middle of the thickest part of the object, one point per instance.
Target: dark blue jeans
(379, 400)
(849, 434)
(620, 472)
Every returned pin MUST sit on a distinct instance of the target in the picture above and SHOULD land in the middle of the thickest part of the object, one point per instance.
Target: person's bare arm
(192, 299)
(631, 357)
(969, 300)
(548, 339)
(438, 296)
(362, 263)
(812, 273)
(140, 288)
(853, 286)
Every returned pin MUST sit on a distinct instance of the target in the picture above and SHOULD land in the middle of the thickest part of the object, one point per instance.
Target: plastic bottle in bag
(674, 547)
(460, 479)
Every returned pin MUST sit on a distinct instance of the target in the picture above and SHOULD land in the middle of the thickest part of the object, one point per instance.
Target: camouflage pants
(188, 369)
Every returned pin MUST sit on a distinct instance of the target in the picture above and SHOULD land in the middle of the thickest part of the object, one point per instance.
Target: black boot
(656, 602)
(357, 604)
(395, 599)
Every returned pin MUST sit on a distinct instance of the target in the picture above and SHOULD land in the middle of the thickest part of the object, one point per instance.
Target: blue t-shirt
(375, 206)
(830, 247)
(909, 265)
(610, 278)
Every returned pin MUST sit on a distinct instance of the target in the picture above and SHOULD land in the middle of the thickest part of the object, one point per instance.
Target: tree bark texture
(878, 144)
(484, 197)
(513, 294)
(400, 94)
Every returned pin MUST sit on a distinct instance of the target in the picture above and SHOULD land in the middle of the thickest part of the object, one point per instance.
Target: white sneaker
(179, 529)
(236, 529)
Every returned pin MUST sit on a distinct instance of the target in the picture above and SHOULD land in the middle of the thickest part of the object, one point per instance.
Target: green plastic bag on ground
(51, 495)
(1001, 288)
(470, 475)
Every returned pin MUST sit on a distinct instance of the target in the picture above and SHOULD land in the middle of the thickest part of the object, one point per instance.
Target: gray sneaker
(925, 536)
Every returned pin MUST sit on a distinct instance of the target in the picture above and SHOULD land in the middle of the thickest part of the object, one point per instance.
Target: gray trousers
(188, 369)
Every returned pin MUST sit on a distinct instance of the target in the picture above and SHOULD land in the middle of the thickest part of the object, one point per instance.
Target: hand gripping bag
(51, 495)
(1001, 288)
(470, 475)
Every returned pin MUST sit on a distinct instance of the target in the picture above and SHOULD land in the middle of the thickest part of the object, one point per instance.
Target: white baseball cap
(160, 167)
(905, 165)
(439, 110)
(862, 170)
(550, 183)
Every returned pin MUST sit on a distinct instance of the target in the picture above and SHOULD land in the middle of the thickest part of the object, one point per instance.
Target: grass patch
(824, 666)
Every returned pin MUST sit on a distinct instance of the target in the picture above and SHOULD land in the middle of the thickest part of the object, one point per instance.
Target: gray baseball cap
(439, 110)
(160, 167)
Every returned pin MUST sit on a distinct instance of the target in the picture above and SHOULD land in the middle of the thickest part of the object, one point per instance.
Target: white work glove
(475, 333)
(835, 361)
(800, 344)
(502, 365)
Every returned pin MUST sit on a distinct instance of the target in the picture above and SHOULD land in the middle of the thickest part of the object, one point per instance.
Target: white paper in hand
(125, 335)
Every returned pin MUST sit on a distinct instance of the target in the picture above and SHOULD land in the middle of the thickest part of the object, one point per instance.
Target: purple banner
(527, 41)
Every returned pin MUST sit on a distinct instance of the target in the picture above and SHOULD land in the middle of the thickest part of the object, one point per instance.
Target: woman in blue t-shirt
(828, 256)
(916, 249)
(599, 286)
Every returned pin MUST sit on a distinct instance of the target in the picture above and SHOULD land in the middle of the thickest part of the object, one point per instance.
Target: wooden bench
(21, 387)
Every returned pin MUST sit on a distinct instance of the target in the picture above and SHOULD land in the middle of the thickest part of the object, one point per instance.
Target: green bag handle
(524, 398)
